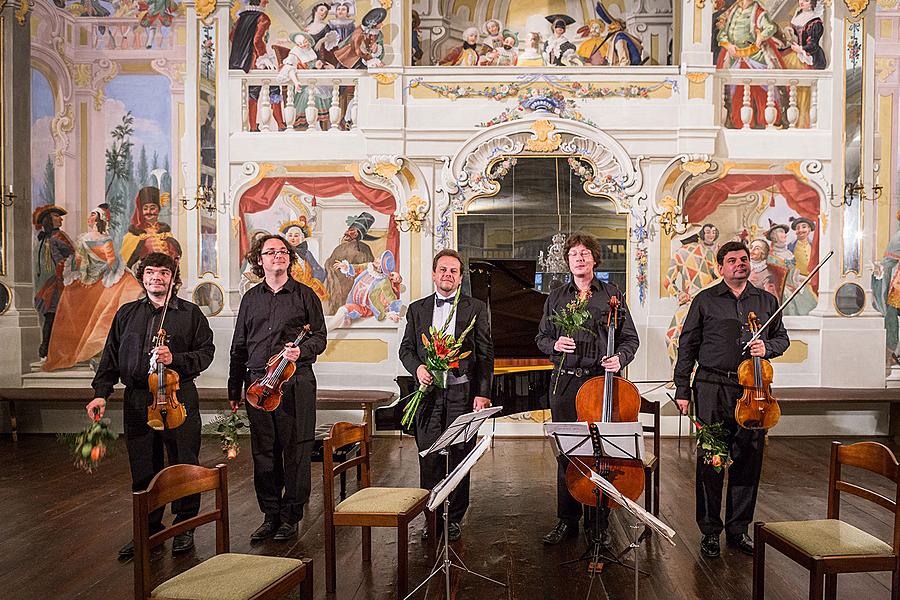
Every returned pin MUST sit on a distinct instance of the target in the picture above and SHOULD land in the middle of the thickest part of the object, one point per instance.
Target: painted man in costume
(365, 48)
(558, 50)
(465, 55)
(622, 48)
(54, 247)
(803, 251)
(147, 233)
(504, 55)
(307, 269)
(354, 250)
(375, 292)
(693, 267)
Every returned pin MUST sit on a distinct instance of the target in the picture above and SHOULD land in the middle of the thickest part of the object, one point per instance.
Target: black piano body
(521, 371)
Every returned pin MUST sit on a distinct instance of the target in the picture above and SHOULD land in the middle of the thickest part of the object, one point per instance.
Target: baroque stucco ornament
(543, 140)
(856, 7)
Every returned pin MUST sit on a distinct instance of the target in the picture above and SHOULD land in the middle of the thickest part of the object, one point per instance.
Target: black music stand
(463, 429)
(599, 441)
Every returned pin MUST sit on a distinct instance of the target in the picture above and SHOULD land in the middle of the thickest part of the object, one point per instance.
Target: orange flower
(716, 460)
(232, 453)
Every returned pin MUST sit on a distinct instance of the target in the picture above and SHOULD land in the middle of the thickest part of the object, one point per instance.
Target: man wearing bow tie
(468, 386)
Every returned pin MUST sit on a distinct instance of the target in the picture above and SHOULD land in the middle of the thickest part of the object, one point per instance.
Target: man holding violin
(577, 359)
(714, 334)
(188, 351)
(271, 315)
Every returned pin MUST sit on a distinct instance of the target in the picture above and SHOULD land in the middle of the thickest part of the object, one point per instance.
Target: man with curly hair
(129, 350)
(271, 315)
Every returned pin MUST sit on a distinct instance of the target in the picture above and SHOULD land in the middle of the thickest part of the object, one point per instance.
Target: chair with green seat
(830, 546)
(369, 506)
(225, 576)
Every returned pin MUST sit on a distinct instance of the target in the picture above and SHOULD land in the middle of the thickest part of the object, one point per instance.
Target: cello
(620, 401)
(757, 407)
(165, 411)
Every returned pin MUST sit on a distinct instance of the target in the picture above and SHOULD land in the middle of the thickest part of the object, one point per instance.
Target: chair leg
(831, 586)
(330, 577)
(648, 491)
(367, 544)
(656, 491)
(816, 579)
(895, 584)
(402, 558)
(306, 587)
(759, 562)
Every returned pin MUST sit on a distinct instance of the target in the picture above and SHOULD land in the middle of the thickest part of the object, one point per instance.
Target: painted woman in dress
(804, 52)
(307, 270)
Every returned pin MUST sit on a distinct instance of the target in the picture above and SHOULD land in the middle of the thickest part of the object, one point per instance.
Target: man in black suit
(468, 387)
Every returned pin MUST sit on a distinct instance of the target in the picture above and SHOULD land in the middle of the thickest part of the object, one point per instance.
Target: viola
(757, 408)
(265, 393)
(606, 399)
(165, 411)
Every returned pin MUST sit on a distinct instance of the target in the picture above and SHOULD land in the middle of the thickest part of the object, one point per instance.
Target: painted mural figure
(493, 35)
(886, 294)
(365, 47)
(762, 274)
(693, 267)
(801, 250)
(342, 24)
(465, 55)
(804, 50)
(375, 290)
(352, 249)
(307, 269)
(416, 34)
(593, 49)
(532, 56)
(299, 57)
(623, 49)
(317, 26)
(780, 257)
(248, 51)
(96, 285)
(504, 55)
(147, 233)
(746, 40)
(558, 50)
(54, 247)
(153, 15)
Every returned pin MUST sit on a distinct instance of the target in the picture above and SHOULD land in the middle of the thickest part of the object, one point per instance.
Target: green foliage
(89, 446)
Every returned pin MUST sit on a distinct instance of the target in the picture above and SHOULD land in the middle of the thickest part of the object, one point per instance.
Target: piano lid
(507, 287)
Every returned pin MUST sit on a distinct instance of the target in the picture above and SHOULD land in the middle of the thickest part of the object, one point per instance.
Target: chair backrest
(652, 408)
(173, 483)
(343, 434)
(875, 458)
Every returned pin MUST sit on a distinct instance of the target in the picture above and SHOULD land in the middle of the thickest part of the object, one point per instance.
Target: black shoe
(562, 530)
(285, 532)
(183, 542)
(742, 542)
(453, 532)
(709, 545)
(266, 530)
(126, 552)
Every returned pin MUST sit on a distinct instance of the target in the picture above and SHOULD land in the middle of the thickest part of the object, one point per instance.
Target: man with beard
(505, 54)
(147, 233)
(54, 247)
(713, 337)
(353, 250)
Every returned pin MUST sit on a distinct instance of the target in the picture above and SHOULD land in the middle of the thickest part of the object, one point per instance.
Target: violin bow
(165, 308)
(788, 301)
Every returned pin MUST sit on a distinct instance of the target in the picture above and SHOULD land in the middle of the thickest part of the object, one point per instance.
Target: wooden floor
(60, 528)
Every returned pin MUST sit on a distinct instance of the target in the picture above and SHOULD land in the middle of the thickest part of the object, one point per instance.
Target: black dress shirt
(267, 321)
(715, 331)
(126, 356)
(590, 348)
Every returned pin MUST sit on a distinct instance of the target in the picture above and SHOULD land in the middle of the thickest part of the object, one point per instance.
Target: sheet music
(462, 429)
(445, 487)
(645, 517)
(617, 440)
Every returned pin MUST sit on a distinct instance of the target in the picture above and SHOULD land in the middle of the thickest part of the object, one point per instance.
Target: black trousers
(281, 442)
(715, 397)
(147, 448)
(562, 410)
(46, 331)
(437, 411)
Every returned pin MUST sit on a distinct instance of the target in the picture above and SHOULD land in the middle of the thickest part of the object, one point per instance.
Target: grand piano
(521, 371)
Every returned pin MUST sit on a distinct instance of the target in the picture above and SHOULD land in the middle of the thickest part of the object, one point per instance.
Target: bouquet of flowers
(90, 445)
(711, 441)
(443, 352)
(571, 320)
(228, 426)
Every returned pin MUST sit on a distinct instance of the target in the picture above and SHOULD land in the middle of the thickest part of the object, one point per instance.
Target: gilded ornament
(541, 140)
(24, 9)
(386, 170)
(415, 203)
(205, 8)
(695, 167)
(386, 4)
(60, 128)
(700, 4)
(856, 7)
(385, 78)
(885, 67)
(697, 76)
(82, 73)
(888, 4)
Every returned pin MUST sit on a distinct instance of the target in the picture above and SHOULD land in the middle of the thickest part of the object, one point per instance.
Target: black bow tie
(439, 302)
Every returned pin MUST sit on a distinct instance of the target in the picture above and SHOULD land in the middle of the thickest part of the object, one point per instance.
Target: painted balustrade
(773, 99)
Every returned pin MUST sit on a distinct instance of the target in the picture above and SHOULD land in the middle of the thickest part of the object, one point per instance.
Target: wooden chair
(830, 546)
(651, 459)
(225, 575)
(369, 506)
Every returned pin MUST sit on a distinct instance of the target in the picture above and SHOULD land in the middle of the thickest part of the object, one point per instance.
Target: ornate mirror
(209, 297)
(854, 62)
(850, 299)
(5, 298)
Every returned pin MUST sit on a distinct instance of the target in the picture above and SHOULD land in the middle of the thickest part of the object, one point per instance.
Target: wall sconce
(9, 197)
(204, 199)
(855, 190)
(414, 217)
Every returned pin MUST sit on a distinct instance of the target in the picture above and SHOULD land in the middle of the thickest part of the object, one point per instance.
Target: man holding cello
(188, 351)
(271, 315)
(577, 359)
(714, 334)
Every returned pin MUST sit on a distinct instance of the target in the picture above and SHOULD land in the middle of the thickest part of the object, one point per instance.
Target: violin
(165, 411)
(265, 393)
(620, 401)
(757, 408)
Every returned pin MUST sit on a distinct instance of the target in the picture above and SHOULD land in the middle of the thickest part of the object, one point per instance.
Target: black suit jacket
(478, 366)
